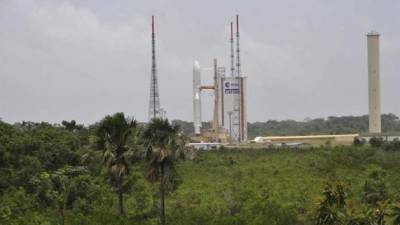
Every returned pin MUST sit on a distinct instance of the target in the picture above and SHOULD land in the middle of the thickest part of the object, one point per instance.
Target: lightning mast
(239, 72)
(236, 122)
(154, 103)
(232, 53)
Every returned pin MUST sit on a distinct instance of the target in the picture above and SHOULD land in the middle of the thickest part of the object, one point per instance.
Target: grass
(218, 181)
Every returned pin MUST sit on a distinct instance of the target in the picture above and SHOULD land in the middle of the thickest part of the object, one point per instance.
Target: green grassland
(242, 185)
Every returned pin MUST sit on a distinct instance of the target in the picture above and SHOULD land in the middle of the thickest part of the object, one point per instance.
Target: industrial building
(334, 139)
(232, 120)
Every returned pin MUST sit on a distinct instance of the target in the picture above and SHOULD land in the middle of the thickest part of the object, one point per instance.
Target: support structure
(232, 53)
(216, 101)
(374, 84)
(154, 101)
(236, 131)
(238, 65)
(230, 114)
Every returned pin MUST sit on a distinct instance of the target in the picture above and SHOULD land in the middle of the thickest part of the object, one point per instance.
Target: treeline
(116, 171)
(330, 125)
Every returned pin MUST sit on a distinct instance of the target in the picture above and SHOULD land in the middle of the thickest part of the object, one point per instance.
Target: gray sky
(84, 59)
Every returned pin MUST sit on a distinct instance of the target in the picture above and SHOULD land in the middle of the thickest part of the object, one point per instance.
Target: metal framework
(154, 102)
(232, 53)
(236, 131)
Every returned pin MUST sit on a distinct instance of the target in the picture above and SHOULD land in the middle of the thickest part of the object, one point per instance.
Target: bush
(376, 142)
(256, 212)
(393, 145)
(269, 212)
(375, 187)
(358, 141)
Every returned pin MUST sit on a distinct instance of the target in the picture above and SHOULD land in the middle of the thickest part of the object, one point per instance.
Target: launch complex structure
(230, 114)
(229, 117)
(229, 124)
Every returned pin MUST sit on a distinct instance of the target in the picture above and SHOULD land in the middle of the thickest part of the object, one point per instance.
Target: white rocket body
(196, 98)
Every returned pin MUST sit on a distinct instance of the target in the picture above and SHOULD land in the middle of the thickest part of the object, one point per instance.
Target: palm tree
(116, 130)
(380, 212)
(331, 206)
(163, 143)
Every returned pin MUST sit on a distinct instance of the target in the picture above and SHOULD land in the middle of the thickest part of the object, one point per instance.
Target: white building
(233, 117)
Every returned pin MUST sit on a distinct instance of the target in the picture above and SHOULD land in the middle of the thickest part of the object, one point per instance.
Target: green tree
(69, 125)
(331, 205)
(163, 144)
(379, 213)
(116, 131)
(376, 142)
(58, 188)
(375, 187)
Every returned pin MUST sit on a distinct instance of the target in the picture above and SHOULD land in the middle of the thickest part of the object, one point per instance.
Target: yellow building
(334, 139)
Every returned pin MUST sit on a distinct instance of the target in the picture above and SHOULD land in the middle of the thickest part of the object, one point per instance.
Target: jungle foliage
(120, 172)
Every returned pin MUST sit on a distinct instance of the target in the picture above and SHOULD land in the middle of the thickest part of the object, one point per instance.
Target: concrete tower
(196, 98)
(374, 83)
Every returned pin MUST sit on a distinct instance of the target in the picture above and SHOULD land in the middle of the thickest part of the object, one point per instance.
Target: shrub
(358, 141)
(392, 145)
(376, 142)
(375, 187)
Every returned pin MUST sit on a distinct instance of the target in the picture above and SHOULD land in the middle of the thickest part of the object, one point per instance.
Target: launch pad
(229, 123)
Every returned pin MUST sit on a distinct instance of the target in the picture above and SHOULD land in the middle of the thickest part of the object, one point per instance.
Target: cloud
(84, 59)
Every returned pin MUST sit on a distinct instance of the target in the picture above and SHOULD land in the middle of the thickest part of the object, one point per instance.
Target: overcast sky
(74, 59)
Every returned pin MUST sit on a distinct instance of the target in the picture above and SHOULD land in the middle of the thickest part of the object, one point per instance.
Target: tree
(69, 125)
(116, 131)
(376, 142)
(57, 188)
(163, 144)
(393, 145)
(379, 213)
(329, 208)
(374, 190)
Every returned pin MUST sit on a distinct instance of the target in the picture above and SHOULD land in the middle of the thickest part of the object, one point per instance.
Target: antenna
(152, 25)
(154, 103)
(239, 72)
(232, 53)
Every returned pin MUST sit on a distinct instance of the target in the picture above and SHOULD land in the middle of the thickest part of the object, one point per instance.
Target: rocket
(196, 98)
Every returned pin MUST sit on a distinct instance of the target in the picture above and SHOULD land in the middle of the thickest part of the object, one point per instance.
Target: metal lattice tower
(154, 103)
(232, 53)
(236, 137)
(239, 72)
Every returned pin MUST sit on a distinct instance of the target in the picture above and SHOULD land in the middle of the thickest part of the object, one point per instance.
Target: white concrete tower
(196, 98)
(374, 83)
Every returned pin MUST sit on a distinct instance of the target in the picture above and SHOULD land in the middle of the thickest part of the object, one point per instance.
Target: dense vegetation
(120, 172)
(330, 125)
